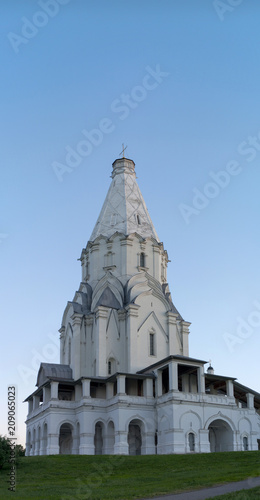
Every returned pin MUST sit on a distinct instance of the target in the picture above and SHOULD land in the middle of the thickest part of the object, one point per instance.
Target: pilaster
(174, 346)
(132, 315)
(76, 345)
(62, 340)
(185, 337)
(101, 324)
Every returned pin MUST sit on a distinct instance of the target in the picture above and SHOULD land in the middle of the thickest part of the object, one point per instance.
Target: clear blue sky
(75, 71)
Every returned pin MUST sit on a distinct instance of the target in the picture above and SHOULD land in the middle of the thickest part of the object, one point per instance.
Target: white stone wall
(172, 421)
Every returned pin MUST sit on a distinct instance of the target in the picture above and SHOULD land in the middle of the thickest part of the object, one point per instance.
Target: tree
(19, 450)
(5, 451)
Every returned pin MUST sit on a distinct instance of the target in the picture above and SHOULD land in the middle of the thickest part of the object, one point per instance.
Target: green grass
(104, 477)
(241, 495)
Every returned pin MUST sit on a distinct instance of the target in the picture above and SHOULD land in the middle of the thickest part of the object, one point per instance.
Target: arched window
(152, 344)
(191, 441)
(142, 259)
(245, 443)
(111, 366)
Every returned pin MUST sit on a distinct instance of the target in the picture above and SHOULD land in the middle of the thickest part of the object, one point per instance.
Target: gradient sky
(202, 116)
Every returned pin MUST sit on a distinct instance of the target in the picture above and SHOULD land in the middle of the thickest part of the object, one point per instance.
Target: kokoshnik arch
(126, 383)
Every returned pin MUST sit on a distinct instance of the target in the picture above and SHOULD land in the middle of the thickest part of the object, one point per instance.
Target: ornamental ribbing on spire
(124, 209)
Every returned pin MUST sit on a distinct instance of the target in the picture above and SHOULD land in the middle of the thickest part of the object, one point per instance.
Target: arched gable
(112, 289)
(190, 420)
(244, 425)
(220, 416)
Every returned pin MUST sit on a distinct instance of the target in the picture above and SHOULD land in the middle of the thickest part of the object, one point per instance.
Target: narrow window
(109, 368)
(191, 441)
(138, 220)
(142, 260)
(152, 347)
(245, 443)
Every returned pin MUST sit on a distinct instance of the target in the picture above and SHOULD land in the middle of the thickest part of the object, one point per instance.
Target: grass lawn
(78, 477)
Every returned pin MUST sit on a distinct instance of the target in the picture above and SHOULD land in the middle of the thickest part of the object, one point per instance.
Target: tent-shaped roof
(124, 209)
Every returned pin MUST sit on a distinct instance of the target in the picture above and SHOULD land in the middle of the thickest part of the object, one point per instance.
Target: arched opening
(98, 438)
(110, 438)
(44, 440)
(135, 437)
(65, 439)
(245, 443)
(191, 439)
(220, 436)
(111, 366)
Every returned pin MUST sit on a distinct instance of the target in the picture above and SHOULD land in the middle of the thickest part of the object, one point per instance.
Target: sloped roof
(124, 209)
(53, 370)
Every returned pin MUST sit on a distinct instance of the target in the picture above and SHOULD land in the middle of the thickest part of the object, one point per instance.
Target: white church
(126, 383)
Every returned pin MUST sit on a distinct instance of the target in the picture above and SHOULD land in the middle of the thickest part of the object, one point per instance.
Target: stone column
(30, 406)
(230, 388)
(250, 400)
(148, 388)
(173, 376)
(121, 384)
(76, 345)
(36, 402)
(101, 325)
(109, 390)
(54, 389)
(159, 384)
(201, 380)
(46, 394)
(85, 388)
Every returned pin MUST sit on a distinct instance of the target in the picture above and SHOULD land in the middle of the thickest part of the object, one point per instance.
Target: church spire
(124, 209)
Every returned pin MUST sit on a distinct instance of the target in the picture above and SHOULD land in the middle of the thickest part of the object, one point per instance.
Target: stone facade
(125, 383)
